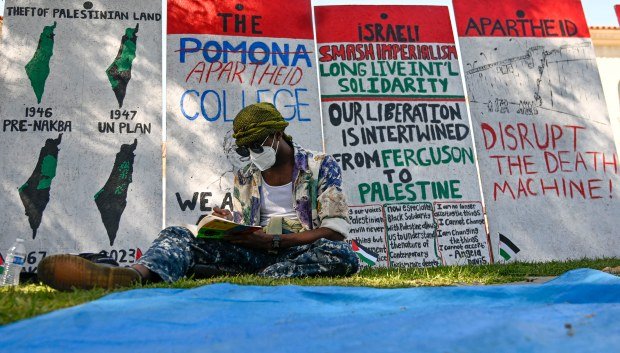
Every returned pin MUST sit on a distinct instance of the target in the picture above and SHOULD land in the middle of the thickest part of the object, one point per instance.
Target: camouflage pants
(176, 251)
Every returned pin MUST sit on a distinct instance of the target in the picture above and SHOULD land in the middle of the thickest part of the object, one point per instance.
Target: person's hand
(257, 240)
(222, 213)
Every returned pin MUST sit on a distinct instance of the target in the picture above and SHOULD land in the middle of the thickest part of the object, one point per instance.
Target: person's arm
(332, 207)
(309, 237)
(264, 241)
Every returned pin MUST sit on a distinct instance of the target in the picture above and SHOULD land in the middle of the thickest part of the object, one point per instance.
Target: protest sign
(221, 57)
(548, 163)
(80, 86)
(395, 119)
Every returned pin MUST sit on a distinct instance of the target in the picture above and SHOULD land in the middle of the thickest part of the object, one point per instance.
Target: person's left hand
(256, 240)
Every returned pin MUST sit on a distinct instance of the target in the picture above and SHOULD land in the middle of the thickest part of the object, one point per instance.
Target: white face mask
(266, 159)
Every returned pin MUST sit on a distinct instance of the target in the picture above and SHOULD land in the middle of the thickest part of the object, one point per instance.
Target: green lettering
(386, 193)
(398, 192)
(423, 185)
(363, 189)
(397, 158)
(423, 162)
(454, 190)
(376, 192)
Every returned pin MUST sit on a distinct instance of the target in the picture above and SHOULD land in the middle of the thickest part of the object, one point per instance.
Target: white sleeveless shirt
(276, 201)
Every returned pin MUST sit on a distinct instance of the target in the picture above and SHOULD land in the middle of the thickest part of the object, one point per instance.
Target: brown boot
(67, 272)
(612, 270)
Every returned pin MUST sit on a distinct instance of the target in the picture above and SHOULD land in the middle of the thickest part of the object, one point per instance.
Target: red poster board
(521, 19)
(255, 18)
(432, 23)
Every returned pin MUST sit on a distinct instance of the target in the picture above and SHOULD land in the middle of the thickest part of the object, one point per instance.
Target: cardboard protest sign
(547, 159)
(80, 126)
(223, 56)
(394, 117)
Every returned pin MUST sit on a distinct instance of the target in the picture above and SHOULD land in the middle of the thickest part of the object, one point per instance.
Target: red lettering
(523, 135)
(503, 188)
(529, 187)
(199, 69)
(579, 160)
(593, 186)
(325, 56)
(555, 187)
(594, 159)
(527, 163)
(556, 134)
(499, 164)
(550, 157)
(575, 128)
(563, 161)
(613, 163)
(211, 70)
(486, 128)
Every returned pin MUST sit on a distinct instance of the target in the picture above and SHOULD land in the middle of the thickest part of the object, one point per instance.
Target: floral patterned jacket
(317, 191)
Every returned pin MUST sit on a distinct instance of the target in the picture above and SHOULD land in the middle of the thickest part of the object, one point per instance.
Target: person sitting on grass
(284, 182)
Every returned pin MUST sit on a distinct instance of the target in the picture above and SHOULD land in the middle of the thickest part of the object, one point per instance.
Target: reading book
(214, 227)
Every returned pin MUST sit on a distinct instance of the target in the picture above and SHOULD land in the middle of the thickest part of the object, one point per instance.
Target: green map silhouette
(38, 68)
(119, 72)
(112, 198)
(35, 193)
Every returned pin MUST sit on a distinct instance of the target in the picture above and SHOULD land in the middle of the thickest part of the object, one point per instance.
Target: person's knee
(330, 246)
(340, 252)
(177, 232)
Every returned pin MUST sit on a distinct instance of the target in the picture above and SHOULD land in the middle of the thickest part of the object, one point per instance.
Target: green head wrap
(257, 121)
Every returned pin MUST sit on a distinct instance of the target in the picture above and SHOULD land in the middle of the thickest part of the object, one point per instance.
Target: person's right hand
(223, 213)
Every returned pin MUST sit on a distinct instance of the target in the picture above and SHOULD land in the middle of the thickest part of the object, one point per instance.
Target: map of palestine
(35, 193)
(112, 198)
(119, 72)
(38, 68)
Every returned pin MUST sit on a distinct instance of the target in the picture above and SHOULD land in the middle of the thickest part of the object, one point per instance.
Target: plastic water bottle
(13, 264)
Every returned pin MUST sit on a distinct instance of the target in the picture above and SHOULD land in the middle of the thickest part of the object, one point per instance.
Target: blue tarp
(577, 312)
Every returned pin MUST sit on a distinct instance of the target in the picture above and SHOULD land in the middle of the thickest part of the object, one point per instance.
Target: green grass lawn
(24, 301)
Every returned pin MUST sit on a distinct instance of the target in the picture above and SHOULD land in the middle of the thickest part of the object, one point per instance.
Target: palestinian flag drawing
(369, 257)
(1, 264)
(507, 249)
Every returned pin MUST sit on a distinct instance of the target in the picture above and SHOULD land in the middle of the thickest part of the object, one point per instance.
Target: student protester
(283, 183)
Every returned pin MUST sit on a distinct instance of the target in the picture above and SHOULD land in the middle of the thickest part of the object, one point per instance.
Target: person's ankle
(146, 275)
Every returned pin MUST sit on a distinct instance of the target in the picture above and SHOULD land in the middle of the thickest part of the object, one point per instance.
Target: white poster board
(80, 86)
(547, 158)
(221, 57)
(394, 117)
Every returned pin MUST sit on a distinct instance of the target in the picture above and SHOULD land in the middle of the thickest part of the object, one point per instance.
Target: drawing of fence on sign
(542, 78)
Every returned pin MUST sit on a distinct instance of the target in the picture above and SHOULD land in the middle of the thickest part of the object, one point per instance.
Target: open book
(214, 227)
